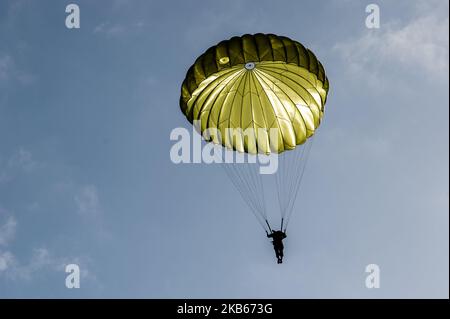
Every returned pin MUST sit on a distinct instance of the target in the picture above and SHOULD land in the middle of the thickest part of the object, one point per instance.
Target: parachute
(260, 83)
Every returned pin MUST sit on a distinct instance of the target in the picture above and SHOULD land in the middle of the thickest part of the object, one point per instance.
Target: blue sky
(86, 177)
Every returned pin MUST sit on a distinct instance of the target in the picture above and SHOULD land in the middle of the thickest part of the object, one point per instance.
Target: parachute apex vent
(250, 65)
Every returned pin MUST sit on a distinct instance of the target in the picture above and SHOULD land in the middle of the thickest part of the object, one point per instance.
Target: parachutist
(277, 241)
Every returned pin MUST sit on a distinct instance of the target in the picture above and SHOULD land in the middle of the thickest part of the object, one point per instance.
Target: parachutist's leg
(277, 252)
(281, 248)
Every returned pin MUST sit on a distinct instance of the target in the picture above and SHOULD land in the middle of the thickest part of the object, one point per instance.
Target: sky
(86, 176)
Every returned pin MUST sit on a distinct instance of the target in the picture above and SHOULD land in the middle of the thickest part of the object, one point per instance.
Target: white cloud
(90, 209)
(10, 72)
(109, 30)
(13, 13)
(87, 201)
(7, 260)
(21, 161)
(41, 260)
(6, 65)
(116, 29)
(7, 230)
(119, 4)
(419, 45)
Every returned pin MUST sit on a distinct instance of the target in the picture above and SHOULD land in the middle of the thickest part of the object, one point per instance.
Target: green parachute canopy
(260, 82)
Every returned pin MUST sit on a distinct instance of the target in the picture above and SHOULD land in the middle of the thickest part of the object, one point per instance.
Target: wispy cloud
(7, 229)
(13, 12)
(89, 207)
(10, 72)
(7, 232)
(110, 29)
(116, 29)
(87, 201)
(419, 45)
(41, 258)
(21, 161)
(7, 261)
(5, 67)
